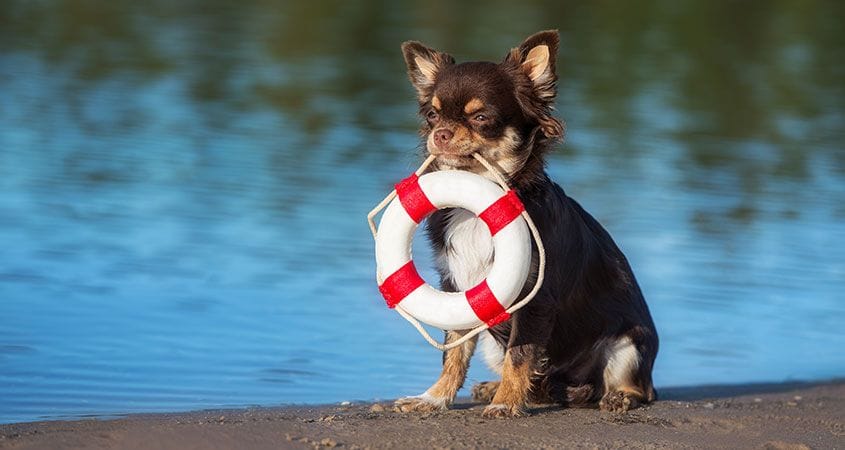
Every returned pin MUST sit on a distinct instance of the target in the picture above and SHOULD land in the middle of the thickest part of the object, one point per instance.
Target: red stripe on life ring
(413, 199)
(400, 284)
(484, 304)
(502, 212)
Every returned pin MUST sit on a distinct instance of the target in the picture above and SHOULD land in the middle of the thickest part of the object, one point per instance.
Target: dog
(587, 338)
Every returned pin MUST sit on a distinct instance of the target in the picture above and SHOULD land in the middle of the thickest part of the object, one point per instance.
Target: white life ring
(399, 282)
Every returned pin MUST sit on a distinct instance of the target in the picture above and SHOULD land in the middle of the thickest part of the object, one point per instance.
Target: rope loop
(500, 179)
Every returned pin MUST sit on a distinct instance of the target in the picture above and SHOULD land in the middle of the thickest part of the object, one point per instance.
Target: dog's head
(503, 111)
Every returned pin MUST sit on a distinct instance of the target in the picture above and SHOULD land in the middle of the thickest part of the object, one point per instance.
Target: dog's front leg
(530, 330)
(442, 393)
(513, 390)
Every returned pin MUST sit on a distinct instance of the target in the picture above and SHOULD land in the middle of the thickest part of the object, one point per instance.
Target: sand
(772, 416)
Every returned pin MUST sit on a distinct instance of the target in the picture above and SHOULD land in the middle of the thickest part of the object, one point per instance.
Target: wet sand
(771, 416)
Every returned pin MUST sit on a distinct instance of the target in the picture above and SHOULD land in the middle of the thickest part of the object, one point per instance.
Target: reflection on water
(184, 190)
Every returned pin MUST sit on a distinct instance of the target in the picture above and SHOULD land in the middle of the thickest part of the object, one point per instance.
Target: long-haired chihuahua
(587, 338)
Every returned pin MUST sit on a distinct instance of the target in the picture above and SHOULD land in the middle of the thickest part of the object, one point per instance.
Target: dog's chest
(468, 249)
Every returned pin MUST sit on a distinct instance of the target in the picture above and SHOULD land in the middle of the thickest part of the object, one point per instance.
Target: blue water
(183, 191)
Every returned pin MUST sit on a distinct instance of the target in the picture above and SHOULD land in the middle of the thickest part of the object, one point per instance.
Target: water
(183, 191)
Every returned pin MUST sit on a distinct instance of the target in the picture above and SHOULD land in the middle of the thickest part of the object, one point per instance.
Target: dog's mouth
(457, 156)
(453, 161)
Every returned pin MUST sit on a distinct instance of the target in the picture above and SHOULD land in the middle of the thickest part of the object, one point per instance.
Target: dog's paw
(619, 402)
(502, 411)
(421, 403)
(483, 392)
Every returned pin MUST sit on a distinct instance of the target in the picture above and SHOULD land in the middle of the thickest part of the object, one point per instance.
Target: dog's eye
(480, 118)
(431, 115)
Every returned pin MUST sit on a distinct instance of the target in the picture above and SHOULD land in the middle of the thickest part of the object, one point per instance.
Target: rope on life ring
(500, 179)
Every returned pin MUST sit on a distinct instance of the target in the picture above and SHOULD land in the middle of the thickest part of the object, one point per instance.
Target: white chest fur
(468, 252)
(466, 259)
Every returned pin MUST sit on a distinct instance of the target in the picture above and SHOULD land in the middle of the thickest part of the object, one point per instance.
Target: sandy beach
(771, 416)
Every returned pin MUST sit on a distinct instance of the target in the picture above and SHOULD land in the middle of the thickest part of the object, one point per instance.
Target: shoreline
(795, 415)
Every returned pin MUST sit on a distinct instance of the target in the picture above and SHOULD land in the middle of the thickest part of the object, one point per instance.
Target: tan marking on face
(477, 138)
(461, 134)
(502, 154)
(435, 102)
(473, 106)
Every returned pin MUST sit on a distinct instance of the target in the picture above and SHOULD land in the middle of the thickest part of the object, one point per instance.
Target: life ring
(401, 284)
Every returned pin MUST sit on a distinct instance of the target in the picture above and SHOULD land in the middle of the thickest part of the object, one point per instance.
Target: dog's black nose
(442, 137)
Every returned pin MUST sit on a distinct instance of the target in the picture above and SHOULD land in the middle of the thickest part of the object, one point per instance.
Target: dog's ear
(536, 57)
(533, 62)
(423, 66)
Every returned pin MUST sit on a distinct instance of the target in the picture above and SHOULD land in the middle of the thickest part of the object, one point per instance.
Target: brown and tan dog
(588, 336)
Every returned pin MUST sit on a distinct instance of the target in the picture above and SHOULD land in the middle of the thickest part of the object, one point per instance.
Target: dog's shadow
(692, 393)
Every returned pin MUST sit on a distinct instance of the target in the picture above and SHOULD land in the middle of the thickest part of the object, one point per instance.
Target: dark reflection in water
(184, 186)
